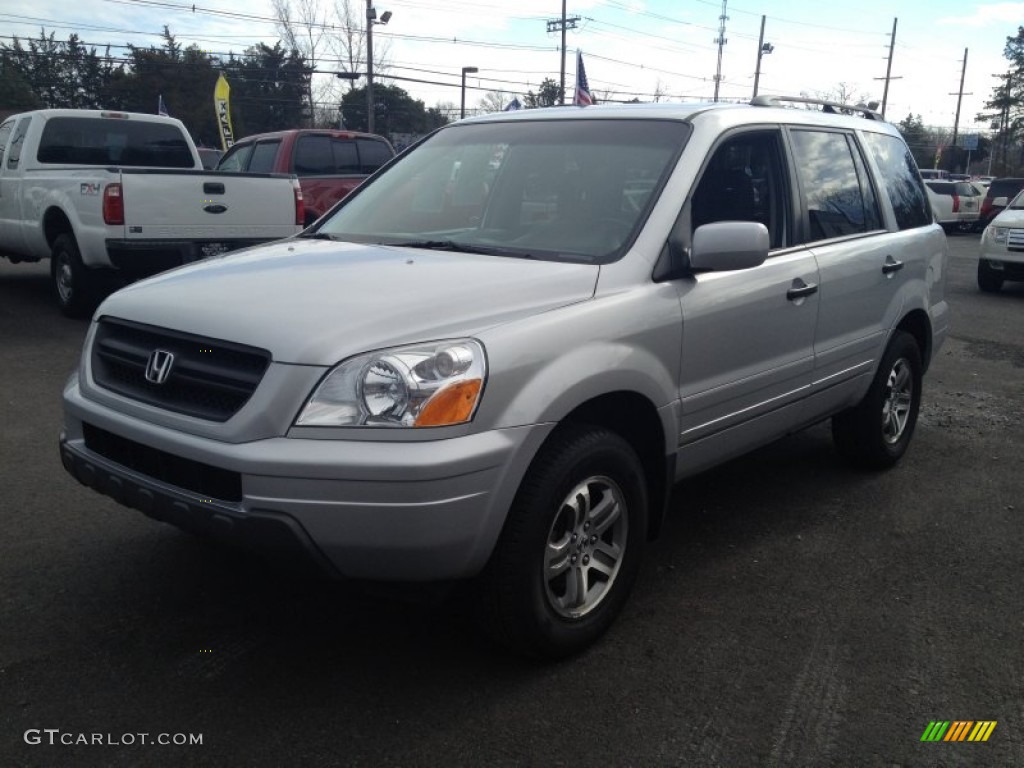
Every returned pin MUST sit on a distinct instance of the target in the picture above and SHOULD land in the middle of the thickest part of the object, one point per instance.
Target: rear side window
(263, 156)
(114, 141)
(942, 187)
(5, 134)
(14, 151)
(837, 194)
(327, 155)
(901, 181)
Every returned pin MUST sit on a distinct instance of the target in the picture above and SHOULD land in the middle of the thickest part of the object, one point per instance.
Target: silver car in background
(495, 358)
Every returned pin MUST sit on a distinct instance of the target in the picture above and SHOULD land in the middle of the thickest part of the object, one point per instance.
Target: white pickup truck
(114, 196)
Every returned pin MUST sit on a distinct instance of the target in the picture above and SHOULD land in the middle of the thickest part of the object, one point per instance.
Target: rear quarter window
(900, 180)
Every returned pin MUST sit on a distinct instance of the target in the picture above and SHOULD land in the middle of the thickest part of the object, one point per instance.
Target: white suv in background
(956, 204)
(1002, 248)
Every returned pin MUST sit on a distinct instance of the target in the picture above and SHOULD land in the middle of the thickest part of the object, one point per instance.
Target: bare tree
(494, 101)
(303, 28)
(332, 38)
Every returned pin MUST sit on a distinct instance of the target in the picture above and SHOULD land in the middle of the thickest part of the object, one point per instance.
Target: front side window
(744, 181)
(263, 157)
(901, 180)
(565, 190)
(838, 199)
(236, 159)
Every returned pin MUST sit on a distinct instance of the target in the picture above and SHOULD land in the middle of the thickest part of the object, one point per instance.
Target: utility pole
(563, 24)
(721, 42)
(959, 98)
(888, 68)
(371, 16)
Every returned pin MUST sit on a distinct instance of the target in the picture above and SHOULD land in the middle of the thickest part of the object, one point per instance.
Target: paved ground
(794, 613)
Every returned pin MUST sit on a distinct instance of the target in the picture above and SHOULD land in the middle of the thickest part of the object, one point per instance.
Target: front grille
(1015, 239)
(194, 476)
(209, 378)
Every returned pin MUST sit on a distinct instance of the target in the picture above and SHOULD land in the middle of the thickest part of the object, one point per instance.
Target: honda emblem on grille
(158, 368)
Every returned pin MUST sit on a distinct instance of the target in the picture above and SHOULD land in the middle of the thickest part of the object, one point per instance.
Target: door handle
(891, 265)
(801, 290)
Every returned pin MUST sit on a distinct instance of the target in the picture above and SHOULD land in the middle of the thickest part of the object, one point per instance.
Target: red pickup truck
(329, 163)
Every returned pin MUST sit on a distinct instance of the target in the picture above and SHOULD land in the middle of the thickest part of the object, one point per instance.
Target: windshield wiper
(318, 236)
(452, 245)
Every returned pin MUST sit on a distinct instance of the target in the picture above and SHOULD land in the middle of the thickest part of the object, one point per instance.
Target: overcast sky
(630, 47)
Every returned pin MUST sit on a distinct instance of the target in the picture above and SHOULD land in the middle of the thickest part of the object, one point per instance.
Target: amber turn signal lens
(452, 405)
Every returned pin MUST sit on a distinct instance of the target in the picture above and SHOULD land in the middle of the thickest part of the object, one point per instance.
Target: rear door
(863, 265)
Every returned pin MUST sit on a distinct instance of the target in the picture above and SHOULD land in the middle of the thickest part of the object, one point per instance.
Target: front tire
(73, 283)
(571, 547)
(876, 432)
(988, 280)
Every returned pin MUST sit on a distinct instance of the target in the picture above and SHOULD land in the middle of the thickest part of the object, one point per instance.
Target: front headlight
(999, 234)
(422, 385)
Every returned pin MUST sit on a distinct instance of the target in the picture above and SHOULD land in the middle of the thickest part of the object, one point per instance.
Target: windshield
(1017, 203)
(570, 190)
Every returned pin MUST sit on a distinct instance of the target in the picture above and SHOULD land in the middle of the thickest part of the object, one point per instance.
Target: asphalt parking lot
(794, 612)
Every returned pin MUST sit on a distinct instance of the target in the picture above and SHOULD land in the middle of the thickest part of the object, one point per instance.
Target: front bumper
(401, 511)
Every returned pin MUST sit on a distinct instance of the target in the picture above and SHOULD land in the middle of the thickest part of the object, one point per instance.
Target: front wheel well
(636, 420)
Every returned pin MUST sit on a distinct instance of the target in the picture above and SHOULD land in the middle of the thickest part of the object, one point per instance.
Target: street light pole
(465, 71)
(762, 49)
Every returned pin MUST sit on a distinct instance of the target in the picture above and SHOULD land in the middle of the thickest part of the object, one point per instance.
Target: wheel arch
(55, 224)
(634, 418)
(918, 325)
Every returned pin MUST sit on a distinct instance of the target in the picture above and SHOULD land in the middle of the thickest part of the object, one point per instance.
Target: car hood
(1009, 217)
(316, 302)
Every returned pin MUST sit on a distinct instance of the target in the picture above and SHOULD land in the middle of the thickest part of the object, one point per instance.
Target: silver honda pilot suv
(496, 357)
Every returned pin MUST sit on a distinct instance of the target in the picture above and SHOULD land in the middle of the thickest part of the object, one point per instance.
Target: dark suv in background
(1006, 188)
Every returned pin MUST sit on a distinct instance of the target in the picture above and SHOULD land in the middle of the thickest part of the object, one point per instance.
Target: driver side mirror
(727, 245)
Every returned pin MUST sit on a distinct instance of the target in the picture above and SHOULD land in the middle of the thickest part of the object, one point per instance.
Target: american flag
(582, 95)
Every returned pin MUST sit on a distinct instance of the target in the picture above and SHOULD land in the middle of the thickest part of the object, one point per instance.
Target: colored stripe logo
(958, 730)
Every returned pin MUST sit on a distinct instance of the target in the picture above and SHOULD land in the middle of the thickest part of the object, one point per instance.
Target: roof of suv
(762, 111)
(1006, 187)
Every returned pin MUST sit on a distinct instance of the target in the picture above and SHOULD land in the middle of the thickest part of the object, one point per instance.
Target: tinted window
(744, 181)
(14, 151)
(346, 158)
(901, 181)
(838, 201)
(1005, 187)
(942, 187)
(263, 156)
(314, 156)
(372, 154)
(114, 141)
(236, 159)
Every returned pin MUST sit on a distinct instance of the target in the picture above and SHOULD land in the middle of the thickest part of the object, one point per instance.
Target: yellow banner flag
(221, 103)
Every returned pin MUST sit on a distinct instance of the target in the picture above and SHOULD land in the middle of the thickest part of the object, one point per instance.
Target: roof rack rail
(869, 111)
